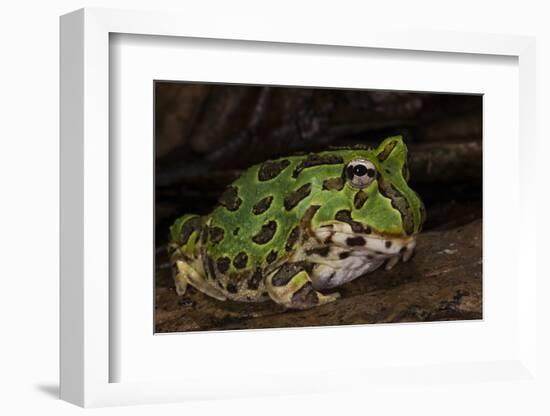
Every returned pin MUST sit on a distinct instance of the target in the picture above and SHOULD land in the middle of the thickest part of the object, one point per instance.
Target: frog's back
(258, 220)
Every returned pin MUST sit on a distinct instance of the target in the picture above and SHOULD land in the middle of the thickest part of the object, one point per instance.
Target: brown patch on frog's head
(316, 159)
(400, 203)
(359, 199)
(334, 184)
(356, 226)
(386, 150)
(293, 198)
(392, 157)
(271, 169)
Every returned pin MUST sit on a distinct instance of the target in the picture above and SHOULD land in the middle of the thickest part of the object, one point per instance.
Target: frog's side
(290, 227)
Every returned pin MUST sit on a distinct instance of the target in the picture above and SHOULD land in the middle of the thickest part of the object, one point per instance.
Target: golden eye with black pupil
(360, 173)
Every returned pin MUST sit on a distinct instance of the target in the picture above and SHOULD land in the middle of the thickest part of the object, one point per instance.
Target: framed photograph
(303, 191)
(277, 213)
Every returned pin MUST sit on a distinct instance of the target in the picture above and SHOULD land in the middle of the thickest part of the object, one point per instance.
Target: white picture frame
(87, 356)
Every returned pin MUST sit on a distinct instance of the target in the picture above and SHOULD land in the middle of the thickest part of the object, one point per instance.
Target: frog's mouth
(371, 245)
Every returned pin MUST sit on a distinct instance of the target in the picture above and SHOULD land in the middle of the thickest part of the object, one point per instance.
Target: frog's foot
(185, 274)
(180, 281)
(409, 251)
(392, 262)
(291, 286)
(405, 254)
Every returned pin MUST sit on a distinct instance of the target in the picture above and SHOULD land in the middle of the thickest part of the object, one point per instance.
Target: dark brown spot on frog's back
(236, 231)
(216, 235)
(266, 233)
(357, 227)
(240, 260)
(271, 257)
(360, 199)
(384, 154)
(223, 264)
(271, 169)
(333, 184)
(230, 198)
(285, 273)
(295, 197)
(262, 205)
(355, 241)
(344, 255)
(388, 244)
(292, 238)
(253, 282)
(190, 226)
(314, 160)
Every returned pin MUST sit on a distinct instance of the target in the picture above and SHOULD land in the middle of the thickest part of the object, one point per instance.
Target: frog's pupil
(360, 170)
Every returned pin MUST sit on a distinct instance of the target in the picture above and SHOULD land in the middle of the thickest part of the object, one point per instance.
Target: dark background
(206, 134)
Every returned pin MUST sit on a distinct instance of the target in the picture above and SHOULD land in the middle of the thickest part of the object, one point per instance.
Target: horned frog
(292, 227)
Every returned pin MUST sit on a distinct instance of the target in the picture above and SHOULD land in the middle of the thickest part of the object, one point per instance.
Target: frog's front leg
(187, 274)
(291, 286)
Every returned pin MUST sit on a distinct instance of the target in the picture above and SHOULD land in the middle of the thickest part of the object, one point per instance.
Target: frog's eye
(360, 173)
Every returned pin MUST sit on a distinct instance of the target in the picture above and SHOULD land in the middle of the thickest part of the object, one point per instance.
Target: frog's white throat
(348, 255)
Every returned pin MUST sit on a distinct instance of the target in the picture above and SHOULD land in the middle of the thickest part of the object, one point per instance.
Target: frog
(293, 229)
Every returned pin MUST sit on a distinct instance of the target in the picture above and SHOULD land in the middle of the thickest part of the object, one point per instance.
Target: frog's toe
(180, 279)
(409, 252)
(392, 262)
(181, 286)
(331, 297)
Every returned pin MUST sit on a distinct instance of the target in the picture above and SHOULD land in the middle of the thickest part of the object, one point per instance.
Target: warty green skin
(208, 252)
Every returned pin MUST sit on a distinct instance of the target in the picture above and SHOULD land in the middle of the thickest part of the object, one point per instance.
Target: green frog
(293, 228)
